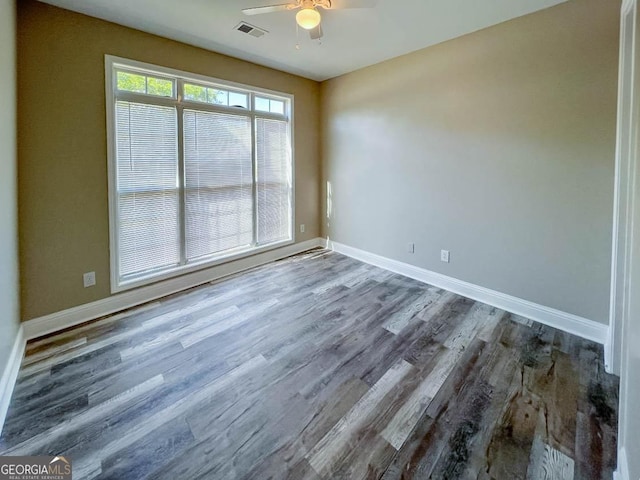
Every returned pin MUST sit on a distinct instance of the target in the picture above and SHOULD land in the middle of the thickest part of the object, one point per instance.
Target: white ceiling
(353, 38)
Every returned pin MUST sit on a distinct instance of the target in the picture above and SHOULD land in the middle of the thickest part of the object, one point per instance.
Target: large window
(200, 171)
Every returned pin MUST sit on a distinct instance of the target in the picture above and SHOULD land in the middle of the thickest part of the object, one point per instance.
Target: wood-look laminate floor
(316, 367)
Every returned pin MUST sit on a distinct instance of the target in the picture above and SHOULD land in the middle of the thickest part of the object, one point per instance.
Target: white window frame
(112, 64)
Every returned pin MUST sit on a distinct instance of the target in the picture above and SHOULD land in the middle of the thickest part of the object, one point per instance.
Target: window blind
(147, 187)
(218, 182)
(273, 186)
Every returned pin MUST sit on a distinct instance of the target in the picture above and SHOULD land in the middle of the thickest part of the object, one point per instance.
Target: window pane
(277, 107)
(218, 181)
(274, 181)
(217, 97)
(195, 93)
(131, 82)
(262, 104)
(147, 192)
(159, 86)
(238, 100)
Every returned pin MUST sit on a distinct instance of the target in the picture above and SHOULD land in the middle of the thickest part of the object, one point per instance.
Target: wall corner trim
(582, 327)
(10, 374)
(54, 322)
(609, 363)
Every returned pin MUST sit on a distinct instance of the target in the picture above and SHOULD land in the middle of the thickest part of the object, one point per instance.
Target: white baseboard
(568, 322)
(54, 322)
(622, 472)
(10, 374)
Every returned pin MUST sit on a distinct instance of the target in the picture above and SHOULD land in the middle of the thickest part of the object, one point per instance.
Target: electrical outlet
(411, 247)
(302, 228)
(444, 256)
(89, 279)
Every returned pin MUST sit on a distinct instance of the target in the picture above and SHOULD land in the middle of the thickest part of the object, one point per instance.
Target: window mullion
(181, 187)
(254, 189)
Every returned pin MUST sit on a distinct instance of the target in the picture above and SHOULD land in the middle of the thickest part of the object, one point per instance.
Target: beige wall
(64, 222)
(9, 306)
(498, 146)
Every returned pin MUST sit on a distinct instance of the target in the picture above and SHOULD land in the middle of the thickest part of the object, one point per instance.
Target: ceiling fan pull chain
(297, 37)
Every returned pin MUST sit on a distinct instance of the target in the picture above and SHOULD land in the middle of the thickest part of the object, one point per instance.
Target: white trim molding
(623, 194)
(38, 327)
(622, 472)
(609, 353)
(10, 374)
(582, 327)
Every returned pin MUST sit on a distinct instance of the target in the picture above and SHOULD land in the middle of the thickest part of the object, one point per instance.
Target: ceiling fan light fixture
(308, 18)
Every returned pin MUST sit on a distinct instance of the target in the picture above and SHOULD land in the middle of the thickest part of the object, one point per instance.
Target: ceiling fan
(308, 16)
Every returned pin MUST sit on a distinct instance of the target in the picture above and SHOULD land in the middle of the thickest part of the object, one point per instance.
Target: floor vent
(250, 29)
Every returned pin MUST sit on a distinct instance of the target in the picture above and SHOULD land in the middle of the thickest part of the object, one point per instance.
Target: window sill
(172, 272)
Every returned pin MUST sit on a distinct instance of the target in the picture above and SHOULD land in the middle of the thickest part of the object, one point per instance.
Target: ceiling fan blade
(343, 4)
(269, 9)
(316, 33)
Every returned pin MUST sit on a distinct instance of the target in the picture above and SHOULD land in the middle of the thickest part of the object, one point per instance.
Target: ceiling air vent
(254, 31)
